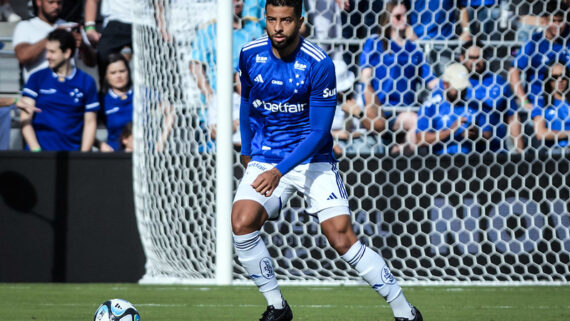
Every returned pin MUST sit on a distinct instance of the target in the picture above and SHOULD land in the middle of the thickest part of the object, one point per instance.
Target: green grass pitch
(61, 302)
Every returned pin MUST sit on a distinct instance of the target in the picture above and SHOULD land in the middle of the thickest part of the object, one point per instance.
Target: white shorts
(320, 183)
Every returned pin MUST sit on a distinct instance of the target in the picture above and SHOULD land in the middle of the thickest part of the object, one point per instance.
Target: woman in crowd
(117, 100)
(552, 121)
(392, 69)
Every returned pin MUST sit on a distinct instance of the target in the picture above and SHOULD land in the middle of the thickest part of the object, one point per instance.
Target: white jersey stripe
(314, 49)
(30, 92)
(255, 42)
(253, 46)
(310, 54)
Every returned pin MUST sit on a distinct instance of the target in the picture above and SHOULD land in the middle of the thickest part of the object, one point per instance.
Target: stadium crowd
(421, 76)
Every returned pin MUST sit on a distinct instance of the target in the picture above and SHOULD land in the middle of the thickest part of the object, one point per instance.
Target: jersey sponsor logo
(332, 197)
(260, 59)
(299, 66)
(329, 92)
(48, 91)
(112, 110)
(281, 107)
(258, 79)
(277, 82)
(266, 268)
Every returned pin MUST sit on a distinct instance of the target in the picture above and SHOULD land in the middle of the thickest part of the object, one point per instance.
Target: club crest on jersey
(260, 59)
(266, 268)
(299, 66)
(329, 92)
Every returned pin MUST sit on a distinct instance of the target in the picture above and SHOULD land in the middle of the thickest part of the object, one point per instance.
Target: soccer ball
(117, 310)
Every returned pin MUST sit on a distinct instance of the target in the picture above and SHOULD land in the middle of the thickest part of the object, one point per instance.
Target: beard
(50, 18)
(280, 45)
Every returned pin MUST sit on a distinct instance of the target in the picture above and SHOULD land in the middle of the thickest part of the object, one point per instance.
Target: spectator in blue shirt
(67, 98)
(117, 100)
(392, 69)
(479, 18)
(446, 122)
(435, 20)
(493, 95)
(552, 122)
(544, 48)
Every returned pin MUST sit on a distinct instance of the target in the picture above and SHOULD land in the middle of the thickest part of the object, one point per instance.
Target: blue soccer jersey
(287, 104)
(534, 58)
(433, 19)
(397, 71)
(438, 114)
(556, 117)
(119, 112)
(64, 102)
(495, 97)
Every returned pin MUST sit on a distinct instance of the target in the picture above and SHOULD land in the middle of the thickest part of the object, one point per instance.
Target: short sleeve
(92, 98)
(367, 51)
(20, 34)
(522, 59)
(32, 86)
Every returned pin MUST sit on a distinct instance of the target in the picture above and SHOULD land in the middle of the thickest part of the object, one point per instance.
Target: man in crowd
(539, 52)
(67, 98)
(29, 39)
(493, 95)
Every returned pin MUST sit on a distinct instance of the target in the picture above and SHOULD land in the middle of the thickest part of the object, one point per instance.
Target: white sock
(373, 269)
(255, 259)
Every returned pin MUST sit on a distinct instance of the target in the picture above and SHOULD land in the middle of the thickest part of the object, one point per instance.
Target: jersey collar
(115, 96)
(68, 77)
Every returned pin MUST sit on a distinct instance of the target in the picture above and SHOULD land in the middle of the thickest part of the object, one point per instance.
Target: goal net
(487, 213)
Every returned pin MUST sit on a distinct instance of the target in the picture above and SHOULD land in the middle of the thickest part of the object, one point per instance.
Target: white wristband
(89, 23)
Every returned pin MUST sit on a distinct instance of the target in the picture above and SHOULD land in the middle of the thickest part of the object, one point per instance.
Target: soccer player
(67, 98)
(287, 107)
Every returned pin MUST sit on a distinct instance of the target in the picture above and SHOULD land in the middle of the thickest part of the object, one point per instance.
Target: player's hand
(266, 182)
(93, 36)
(245, 160)
(106, 148)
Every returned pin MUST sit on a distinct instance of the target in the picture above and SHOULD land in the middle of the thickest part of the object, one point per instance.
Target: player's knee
(247, 217)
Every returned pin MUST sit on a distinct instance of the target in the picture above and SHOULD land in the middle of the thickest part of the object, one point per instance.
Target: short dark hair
(297, 4)
(65, 38)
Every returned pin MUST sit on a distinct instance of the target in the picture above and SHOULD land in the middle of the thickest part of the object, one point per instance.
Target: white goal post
(481, 218)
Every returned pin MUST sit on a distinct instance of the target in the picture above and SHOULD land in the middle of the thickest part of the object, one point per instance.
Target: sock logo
(387, 276)
(266, 268)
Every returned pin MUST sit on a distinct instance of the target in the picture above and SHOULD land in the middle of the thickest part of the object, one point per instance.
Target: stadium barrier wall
(68, 217)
